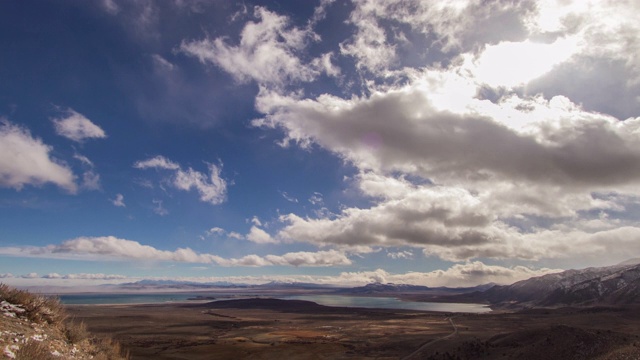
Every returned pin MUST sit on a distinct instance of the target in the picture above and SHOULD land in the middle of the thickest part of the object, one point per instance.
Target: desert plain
(292, 329)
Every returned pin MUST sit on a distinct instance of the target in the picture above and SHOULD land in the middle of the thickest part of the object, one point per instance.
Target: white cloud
(517, 63)
(162, 64)
(423, 217)
(268, 51)
(303, 258)
(256, 221)
(405, 254)
(459, 275)
(52, 276)
(260, 236)
(316, 198)
(111, 6)
(325, 64)
(98, 276)
(90, 180)
(112, 248)
(216, 231)
(288, 197)
(320, 12)
(442, 26)
(530, 140)
(607, 29)
(158, 162)
(369, 46)
(77, 127)
(25, 160)
(478, 166)
(83, 159)
(118, 201)
(159, 208)
(212, 188)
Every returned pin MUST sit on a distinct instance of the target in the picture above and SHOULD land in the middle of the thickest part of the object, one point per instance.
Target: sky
(449, 143)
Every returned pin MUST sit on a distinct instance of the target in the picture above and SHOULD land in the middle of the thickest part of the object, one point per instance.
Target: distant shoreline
(348, 301)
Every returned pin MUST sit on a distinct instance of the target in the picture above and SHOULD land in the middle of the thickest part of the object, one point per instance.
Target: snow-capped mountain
(612, 285)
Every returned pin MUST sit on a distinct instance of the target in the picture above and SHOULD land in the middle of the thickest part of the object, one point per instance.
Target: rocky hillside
(612, 285)
(35, 327)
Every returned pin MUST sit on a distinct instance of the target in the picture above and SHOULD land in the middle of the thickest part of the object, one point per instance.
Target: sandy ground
(290, 331)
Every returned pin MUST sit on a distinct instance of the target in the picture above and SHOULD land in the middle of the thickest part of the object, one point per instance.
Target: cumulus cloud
(426, 216)
(378, 41)
(217, 231)
(118, 201)
(113, 248)
(454, 174)
(516, 63)
(531, 139)
(235, 235)
(303, 258)
(25, 160)
(606, 29)
(77, 127)
(212, 188)
(259, 236)
(400, 255)
(52, 276)
(458, 275)
(268, 52)
(158, 162)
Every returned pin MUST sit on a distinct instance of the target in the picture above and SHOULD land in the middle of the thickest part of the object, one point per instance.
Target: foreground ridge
(36, 327)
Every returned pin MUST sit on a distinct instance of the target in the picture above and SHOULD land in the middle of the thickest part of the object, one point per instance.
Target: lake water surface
(329, 300)
(389, 303)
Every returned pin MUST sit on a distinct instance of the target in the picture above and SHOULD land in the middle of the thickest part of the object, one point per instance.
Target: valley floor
(261, 330)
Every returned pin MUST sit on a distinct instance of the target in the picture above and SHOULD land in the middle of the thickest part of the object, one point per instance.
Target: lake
(389, 303)
(328, 300)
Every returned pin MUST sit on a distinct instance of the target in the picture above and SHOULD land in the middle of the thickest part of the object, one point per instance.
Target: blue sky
(342, 142)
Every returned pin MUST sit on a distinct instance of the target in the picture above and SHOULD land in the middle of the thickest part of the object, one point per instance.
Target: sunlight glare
(516, 63)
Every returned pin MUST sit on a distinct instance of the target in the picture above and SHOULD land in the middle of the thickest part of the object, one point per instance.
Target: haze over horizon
(450, 143)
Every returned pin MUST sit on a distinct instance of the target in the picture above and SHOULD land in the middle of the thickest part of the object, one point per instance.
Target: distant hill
(634, 261)
(174, 285)
(612, 285)
(292, 285)
(405, 289)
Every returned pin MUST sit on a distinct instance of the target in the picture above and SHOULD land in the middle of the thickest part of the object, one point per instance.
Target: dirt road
(428, 343)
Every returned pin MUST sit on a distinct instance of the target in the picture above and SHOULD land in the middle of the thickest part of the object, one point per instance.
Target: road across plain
(428, 343)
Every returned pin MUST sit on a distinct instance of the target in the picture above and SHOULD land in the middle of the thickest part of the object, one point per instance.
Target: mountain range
(611, 285)
(616, 285)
